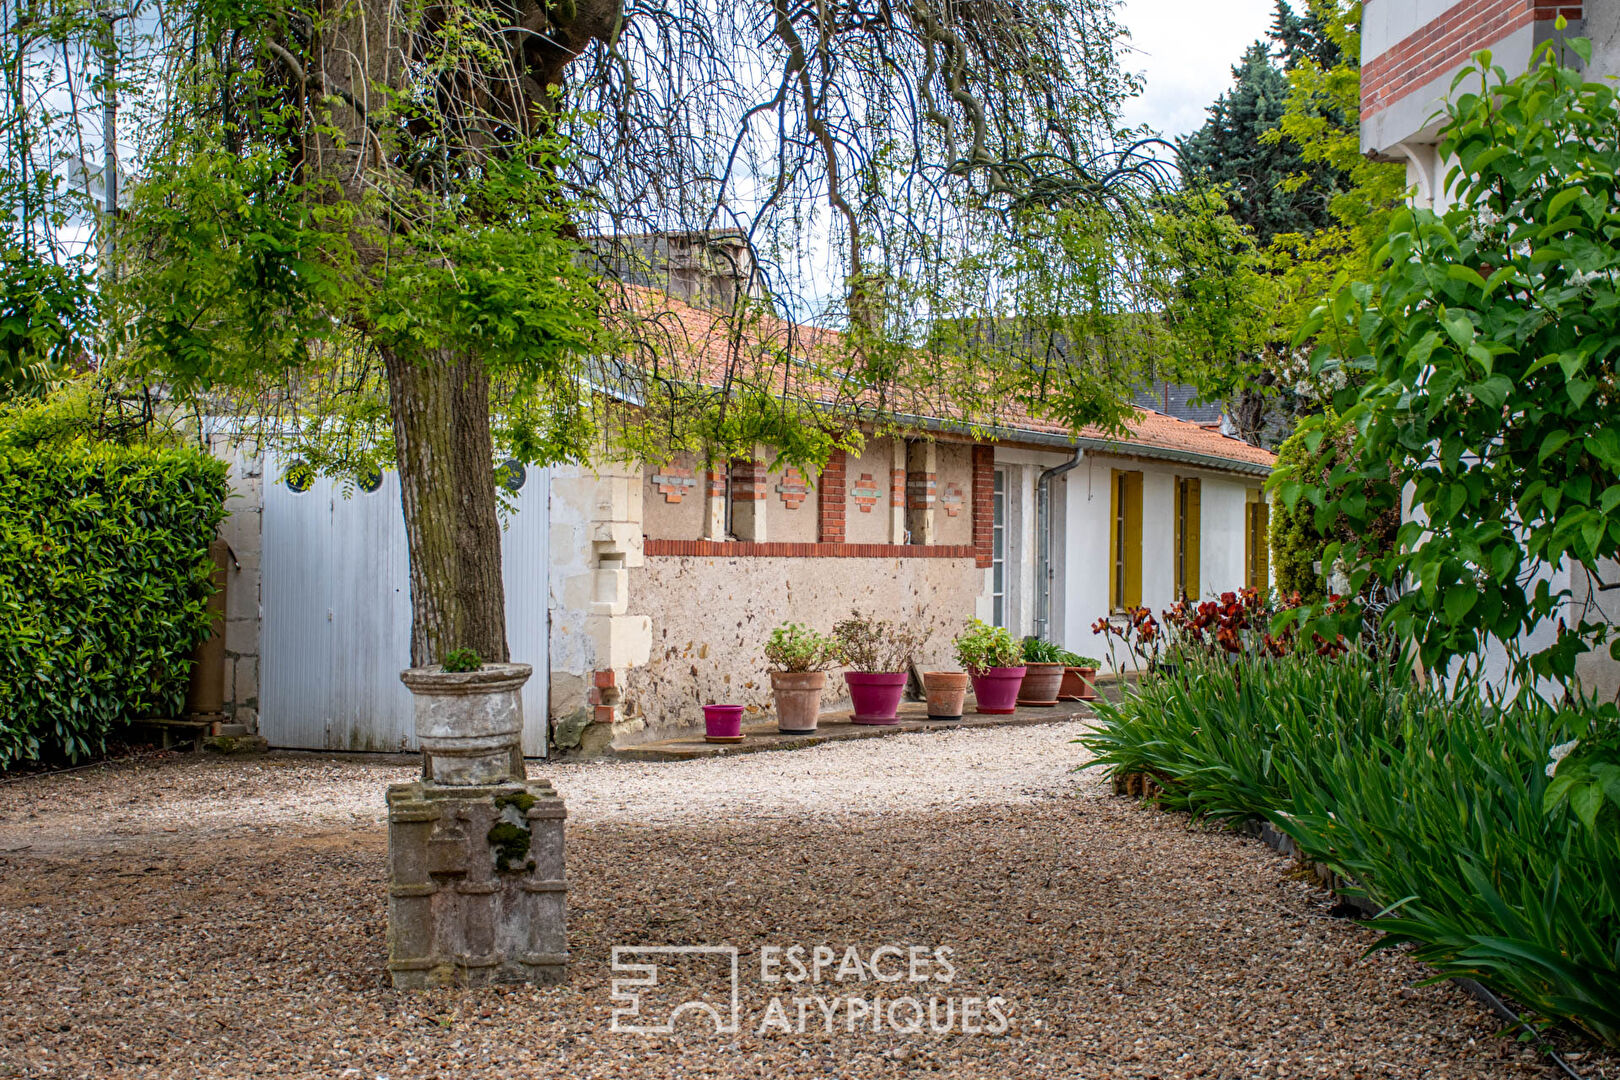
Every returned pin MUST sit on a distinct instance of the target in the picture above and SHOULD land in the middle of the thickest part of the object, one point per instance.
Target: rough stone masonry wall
(242, 530)
(710, 617)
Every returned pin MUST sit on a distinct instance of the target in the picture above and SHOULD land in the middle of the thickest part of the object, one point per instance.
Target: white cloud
(1186, 49)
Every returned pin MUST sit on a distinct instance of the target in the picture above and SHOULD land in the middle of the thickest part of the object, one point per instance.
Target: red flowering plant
(1243, 622)
(1138, 631)
(1236, 623)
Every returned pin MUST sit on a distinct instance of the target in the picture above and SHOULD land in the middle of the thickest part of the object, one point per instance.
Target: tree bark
(446, 457)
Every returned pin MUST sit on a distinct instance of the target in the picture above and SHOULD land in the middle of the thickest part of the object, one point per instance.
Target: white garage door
(336, 602)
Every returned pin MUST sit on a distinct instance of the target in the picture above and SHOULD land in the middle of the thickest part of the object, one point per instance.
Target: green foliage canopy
(1482, 363)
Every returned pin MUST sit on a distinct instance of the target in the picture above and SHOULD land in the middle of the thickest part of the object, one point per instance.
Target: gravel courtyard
(199, 917)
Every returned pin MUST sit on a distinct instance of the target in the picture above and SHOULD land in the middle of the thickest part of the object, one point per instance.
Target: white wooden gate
(336, 610)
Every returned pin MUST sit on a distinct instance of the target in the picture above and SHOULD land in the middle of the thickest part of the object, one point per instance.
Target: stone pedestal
(476, 892)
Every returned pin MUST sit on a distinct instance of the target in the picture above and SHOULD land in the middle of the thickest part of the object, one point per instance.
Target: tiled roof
(692, 344)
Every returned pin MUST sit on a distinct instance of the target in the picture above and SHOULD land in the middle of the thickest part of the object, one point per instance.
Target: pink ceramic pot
(875, 695)
(995, 690)
(722, 723)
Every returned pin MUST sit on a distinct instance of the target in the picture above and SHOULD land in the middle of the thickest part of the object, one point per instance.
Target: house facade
(1037, 531)
(1411, 50)
(641, 593)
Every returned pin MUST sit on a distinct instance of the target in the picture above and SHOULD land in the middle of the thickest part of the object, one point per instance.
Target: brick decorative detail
(748, 480)
(953, 499)
(920, 490)
(866, 493)
(792, 488)
(897, 487)
(830, 500)
(675, 484)
(1446, 41)
(787, 550)
(984, 494)
(717, 483)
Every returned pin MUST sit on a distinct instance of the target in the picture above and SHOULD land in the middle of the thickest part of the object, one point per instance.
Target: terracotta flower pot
(875, 695)
(1079, 684)
(1040, 685)
(798, 700)
(946, 691)
(995, 690)
(722, 723)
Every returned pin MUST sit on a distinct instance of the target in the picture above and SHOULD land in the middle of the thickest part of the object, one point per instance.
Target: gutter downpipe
(1044, 485)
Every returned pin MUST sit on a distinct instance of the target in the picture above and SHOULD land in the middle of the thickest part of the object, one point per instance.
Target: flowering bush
(1585, 772)
(1240, 623)
(1138, 632)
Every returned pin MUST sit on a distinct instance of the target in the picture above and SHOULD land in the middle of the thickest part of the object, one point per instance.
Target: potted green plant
(1043, 673)
(994, 661)
(799, 659)
(879, 654)
(1079, 677)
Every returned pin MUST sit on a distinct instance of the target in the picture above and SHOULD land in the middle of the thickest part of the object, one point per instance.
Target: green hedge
(104, 583)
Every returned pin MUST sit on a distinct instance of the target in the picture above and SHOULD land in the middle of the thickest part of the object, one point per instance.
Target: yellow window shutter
(1248, 544)
(1262, 540)
(1179, 551)
(1193, 532)
(1116, 599)
(1133, 539)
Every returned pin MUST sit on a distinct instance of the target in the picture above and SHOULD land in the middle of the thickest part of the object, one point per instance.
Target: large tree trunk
(446, 461)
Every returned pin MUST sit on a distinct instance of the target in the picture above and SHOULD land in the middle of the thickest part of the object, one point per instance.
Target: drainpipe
(1045, 482)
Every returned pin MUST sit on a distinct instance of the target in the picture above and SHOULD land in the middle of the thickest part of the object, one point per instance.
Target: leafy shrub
(982, 646)
(870, 644)
(1436, 808)
(1040, 651)
(799, 648)
(458, 660)
(104, 584)
(1296, 543)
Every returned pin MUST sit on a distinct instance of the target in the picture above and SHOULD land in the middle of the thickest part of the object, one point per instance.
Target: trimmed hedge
(104, 583)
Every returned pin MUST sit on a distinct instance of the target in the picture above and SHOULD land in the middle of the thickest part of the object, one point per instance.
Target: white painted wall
(1222, 550)
(1084, 570)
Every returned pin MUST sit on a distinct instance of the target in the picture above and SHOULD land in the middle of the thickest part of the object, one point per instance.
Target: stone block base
(476, 892)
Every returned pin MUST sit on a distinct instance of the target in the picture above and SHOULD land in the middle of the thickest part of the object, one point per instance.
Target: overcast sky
(1186, 48)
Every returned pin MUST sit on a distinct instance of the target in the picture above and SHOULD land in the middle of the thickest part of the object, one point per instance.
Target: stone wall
(710, 617)
(242, 529)
(596, 539)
